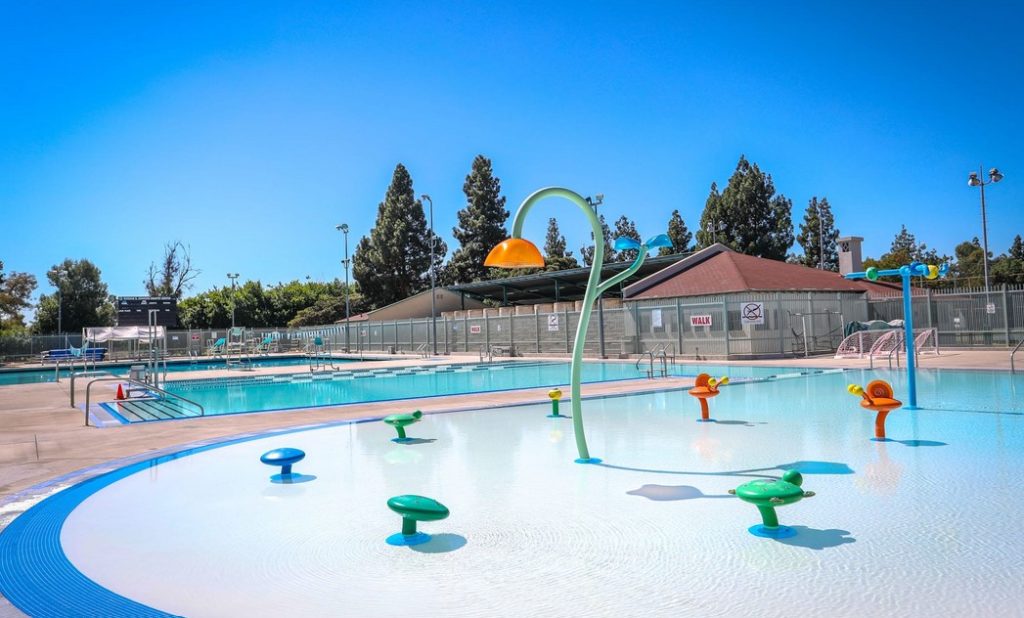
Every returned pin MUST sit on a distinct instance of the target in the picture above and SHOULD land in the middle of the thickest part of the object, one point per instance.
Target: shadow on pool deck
(664, 493)
(804, 467)
(441, 543)
(813, 538)
(915, 443)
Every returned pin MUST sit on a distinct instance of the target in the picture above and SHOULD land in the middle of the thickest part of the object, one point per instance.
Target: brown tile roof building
(720, 270)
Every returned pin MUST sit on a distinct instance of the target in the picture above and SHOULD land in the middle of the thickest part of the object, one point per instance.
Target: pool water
(34, 376)
(229, 396)
(923, 525)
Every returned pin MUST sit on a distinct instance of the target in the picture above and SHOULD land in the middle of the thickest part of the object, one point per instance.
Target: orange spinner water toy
(704, 388)
(878, 397)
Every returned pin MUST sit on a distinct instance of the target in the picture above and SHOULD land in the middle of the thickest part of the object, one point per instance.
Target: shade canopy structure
(102, 334)
(559, 285)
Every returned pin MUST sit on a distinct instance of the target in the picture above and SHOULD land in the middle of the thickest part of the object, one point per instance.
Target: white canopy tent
(102, 334)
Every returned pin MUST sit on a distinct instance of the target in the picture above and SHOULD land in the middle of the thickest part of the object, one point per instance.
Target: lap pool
(924, 524)
(263, 393)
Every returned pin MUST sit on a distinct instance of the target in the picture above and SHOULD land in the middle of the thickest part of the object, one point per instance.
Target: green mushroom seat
(401, 421)
(766, 494)
(414, 509)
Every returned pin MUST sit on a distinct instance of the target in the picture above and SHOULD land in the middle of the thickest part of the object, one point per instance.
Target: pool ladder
(1013, 368)
(650, 356)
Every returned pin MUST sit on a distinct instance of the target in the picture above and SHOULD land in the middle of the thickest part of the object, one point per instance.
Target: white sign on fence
(990, 308)
(700, 320)
(656, 318)
(552, 322)
(752, 313)
(474, 329)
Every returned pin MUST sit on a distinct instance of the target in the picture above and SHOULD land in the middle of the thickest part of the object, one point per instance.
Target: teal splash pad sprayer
(766, 495)
(516, 252)
(400, 422)
(413, 509)
(928, 271)
(284, 457)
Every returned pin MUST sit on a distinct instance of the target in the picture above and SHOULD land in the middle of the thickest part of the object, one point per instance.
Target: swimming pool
(34, 376)
(922, 525)
(262, 393)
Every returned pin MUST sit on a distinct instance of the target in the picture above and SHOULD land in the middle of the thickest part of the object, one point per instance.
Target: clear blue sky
(249, 130)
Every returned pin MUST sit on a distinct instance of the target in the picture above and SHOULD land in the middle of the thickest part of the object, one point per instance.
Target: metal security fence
(786, 324)
(963, 318)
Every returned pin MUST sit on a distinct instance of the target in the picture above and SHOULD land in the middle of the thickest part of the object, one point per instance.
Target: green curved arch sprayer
(512, 253)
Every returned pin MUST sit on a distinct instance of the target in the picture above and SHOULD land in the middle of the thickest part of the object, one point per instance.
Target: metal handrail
(148, 387)
(650, 370)
(84, 374)
(1013, 369)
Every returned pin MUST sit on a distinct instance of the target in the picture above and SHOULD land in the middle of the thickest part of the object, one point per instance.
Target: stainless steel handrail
(85, 374)
(148, 387)
(650, 370)
(1013, 369)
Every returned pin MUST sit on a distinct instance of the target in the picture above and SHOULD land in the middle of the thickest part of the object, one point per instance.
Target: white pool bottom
(931, 530)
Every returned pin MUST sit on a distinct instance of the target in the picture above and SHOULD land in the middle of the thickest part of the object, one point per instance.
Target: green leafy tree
(285, 304)
(394, 261)
(625, 227)
(609, 253)
(1017, 248)
(904, 250)
(15, 297)
(678, 234)
(819, 226)
(481, 224)
(175, 273)
(555, 255)
(969, 267)
(753, 219)
(82, 299)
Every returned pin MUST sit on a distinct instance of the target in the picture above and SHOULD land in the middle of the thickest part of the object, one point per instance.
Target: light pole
(821, 237)
(433, 283)
(343, 228)
(60, 299)
(973, 180)
(716, 227)
(233, 277)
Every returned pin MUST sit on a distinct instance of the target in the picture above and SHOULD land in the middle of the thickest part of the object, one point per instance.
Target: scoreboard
(134, 310)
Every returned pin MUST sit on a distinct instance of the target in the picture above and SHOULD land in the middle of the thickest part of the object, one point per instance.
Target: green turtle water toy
(413, 509)
(766, 494)
(400, 422)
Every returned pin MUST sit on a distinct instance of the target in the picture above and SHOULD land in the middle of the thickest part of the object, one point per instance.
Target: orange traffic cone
(120, 393)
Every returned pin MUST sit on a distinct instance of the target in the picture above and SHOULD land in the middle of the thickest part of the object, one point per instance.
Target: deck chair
(217, 349)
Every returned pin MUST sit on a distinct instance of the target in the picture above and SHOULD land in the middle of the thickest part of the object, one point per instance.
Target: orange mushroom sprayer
(878, 397)
(704, 388)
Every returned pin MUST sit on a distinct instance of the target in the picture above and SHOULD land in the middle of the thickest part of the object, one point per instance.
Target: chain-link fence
(734, 325)
(964, 318)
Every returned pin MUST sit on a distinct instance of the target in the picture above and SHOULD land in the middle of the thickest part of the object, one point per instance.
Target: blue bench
(89, 354)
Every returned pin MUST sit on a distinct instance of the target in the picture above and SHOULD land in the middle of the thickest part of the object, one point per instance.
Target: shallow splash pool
(923, 525)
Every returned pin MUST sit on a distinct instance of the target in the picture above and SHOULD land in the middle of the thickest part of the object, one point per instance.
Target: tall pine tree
(609, 253)
(754, 220)
(678, 234)
(818, 227)
(394, 261)
(555, 255)
(625, 227)
(481, 224)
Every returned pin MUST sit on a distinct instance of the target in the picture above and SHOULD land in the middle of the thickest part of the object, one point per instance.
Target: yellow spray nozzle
(855, 389)
(723, 380)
